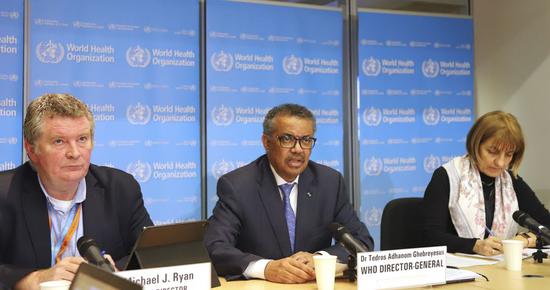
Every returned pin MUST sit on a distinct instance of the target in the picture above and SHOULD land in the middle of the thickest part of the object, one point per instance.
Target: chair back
(401, 225)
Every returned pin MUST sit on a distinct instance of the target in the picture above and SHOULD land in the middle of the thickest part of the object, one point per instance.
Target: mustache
(296, 156)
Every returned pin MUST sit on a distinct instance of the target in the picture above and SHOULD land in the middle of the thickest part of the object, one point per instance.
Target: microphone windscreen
(337, 230)
(89, 250)
(83, 244)
(519, 216)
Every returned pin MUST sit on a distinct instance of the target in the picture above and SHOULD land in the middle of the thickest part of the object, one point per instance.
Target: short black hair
(288, 109)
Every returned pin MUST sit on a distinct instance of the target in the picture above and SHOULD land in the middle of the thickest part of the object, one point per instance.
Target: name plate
(184, 277)
(401, 268)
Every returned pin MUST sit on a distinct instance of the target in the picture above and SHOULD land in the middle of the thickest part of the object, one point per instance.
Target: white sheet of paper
(464, 260)
(454, 275)
(461, 260)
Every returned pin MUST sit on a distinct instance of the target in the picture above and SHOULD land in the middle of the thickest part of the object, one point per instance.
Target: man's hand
(488, 247)
(305, 257)
(64, 270)
(111, 261)
(297, 268)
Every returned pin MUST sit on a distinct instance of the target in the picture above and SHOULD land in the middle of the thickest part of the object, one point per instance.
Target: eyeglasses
(289, 141)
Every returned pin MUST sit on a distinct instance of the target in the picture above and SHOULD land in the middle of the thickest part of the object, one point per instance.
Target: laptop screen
(171, 245)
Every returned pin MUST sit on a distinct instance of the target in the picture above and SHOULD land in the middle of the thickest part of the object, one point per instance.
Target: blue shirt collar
(79, 197)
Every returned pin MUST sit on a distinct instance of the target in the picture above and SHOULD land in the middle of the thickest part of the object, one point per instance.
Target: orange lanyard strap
(56, 246)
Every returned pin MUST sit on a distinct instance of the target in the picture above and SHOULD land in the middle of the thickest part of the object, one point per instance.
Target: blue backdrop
(136, 66)
(416, 103)
(138, 70)
(262, 55)
(11, 83)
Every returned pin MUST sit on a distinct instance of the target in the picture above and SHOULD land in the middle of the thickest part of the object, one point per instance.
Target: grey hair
(53, 105)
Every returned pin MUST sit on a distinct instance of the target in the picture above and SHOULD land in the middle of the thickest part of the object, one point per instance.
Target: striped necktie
(289, 213)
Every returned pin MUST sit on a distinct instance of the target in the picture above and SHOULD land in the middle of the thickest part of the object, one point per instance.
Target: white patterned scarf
(467, 204)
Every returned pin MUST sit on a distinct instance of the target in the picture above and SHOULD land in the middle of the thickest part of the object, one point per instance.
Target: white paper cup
(55, 285)
(325, 267)
(512, 254)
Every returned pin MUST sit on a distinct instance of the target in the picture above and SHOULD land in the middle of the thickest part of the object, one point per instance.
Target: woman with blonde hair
(470, 200)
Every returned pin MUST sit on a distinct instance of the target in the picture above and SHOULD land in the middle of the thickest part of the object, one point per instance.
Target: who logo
(136, 56)
(223, 115)
(373, 216)
(431, 163)
(141, 171)
(138, 114)
(371, 66)
(373, 166)
(50, 52)
(372, 116)
(221, 167)
(293, 65)
(221, 61)
(431, 116)
(430, 68)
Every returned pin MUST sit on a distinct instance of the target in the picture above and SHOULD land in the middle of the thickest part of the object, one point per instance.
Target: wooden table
(499, 279)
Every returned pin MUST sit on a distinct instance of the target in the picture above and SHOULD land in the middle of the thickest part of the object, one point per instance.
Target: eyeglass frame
(296, 140)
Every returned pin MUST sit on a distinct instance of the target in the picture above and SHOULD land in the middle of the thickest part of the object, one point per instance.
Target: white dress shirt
(256, 268)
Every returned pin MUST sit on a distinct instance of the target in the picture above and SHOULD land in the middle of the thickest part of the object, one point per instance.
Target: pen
(491, 234)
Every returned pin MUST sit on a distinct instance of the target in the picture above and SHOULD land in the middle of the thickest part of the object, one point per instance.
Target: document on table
(340, 268)
(459, 275)
(461, 260)
(465, 260)
(530, 251)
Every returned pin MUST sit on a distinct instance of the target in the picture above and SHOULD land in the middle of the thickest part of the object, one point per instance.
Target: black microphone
(342, 235)
(88, 249)
(526, 221)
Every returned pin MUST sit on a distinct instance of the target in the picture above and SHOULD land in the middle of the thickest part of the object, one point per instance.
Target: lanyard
(59, 245)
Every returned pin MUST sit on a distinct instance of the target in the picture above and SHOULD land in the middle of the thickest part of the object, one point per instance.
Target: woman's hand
(528, 239)
(489, 247)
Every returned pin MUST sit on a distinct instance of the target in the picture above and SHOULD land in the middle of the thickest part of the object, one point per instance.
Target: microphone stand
(350, 272)
(539, 254)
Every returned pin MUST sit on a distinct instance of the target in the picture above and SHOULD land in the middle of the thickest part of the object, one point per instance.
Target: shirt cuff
(256, 269)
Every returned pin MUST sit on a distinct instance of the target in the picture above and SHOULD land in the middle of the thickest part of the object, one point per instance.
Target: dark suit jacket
(113, 215)
(248, 222)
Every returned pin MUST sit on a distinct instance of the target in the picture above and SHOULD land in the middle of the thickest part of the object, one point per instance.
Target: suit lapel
(305, 209)
(273, 205)
(35, 213)
(93, 217)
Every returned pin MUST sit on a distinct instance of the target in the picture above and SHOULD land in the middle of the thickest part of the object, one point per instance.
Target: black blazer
(113, 215)
(438, 226)
(248, 222)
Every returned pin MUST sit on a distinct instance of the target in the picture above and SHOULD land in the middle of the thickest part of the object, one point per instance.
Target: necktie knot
(286, 188)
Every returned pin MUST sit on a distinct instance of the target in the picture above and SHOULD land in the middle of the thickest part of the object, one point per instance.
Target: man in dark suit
(272, 214)
(58, 196)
